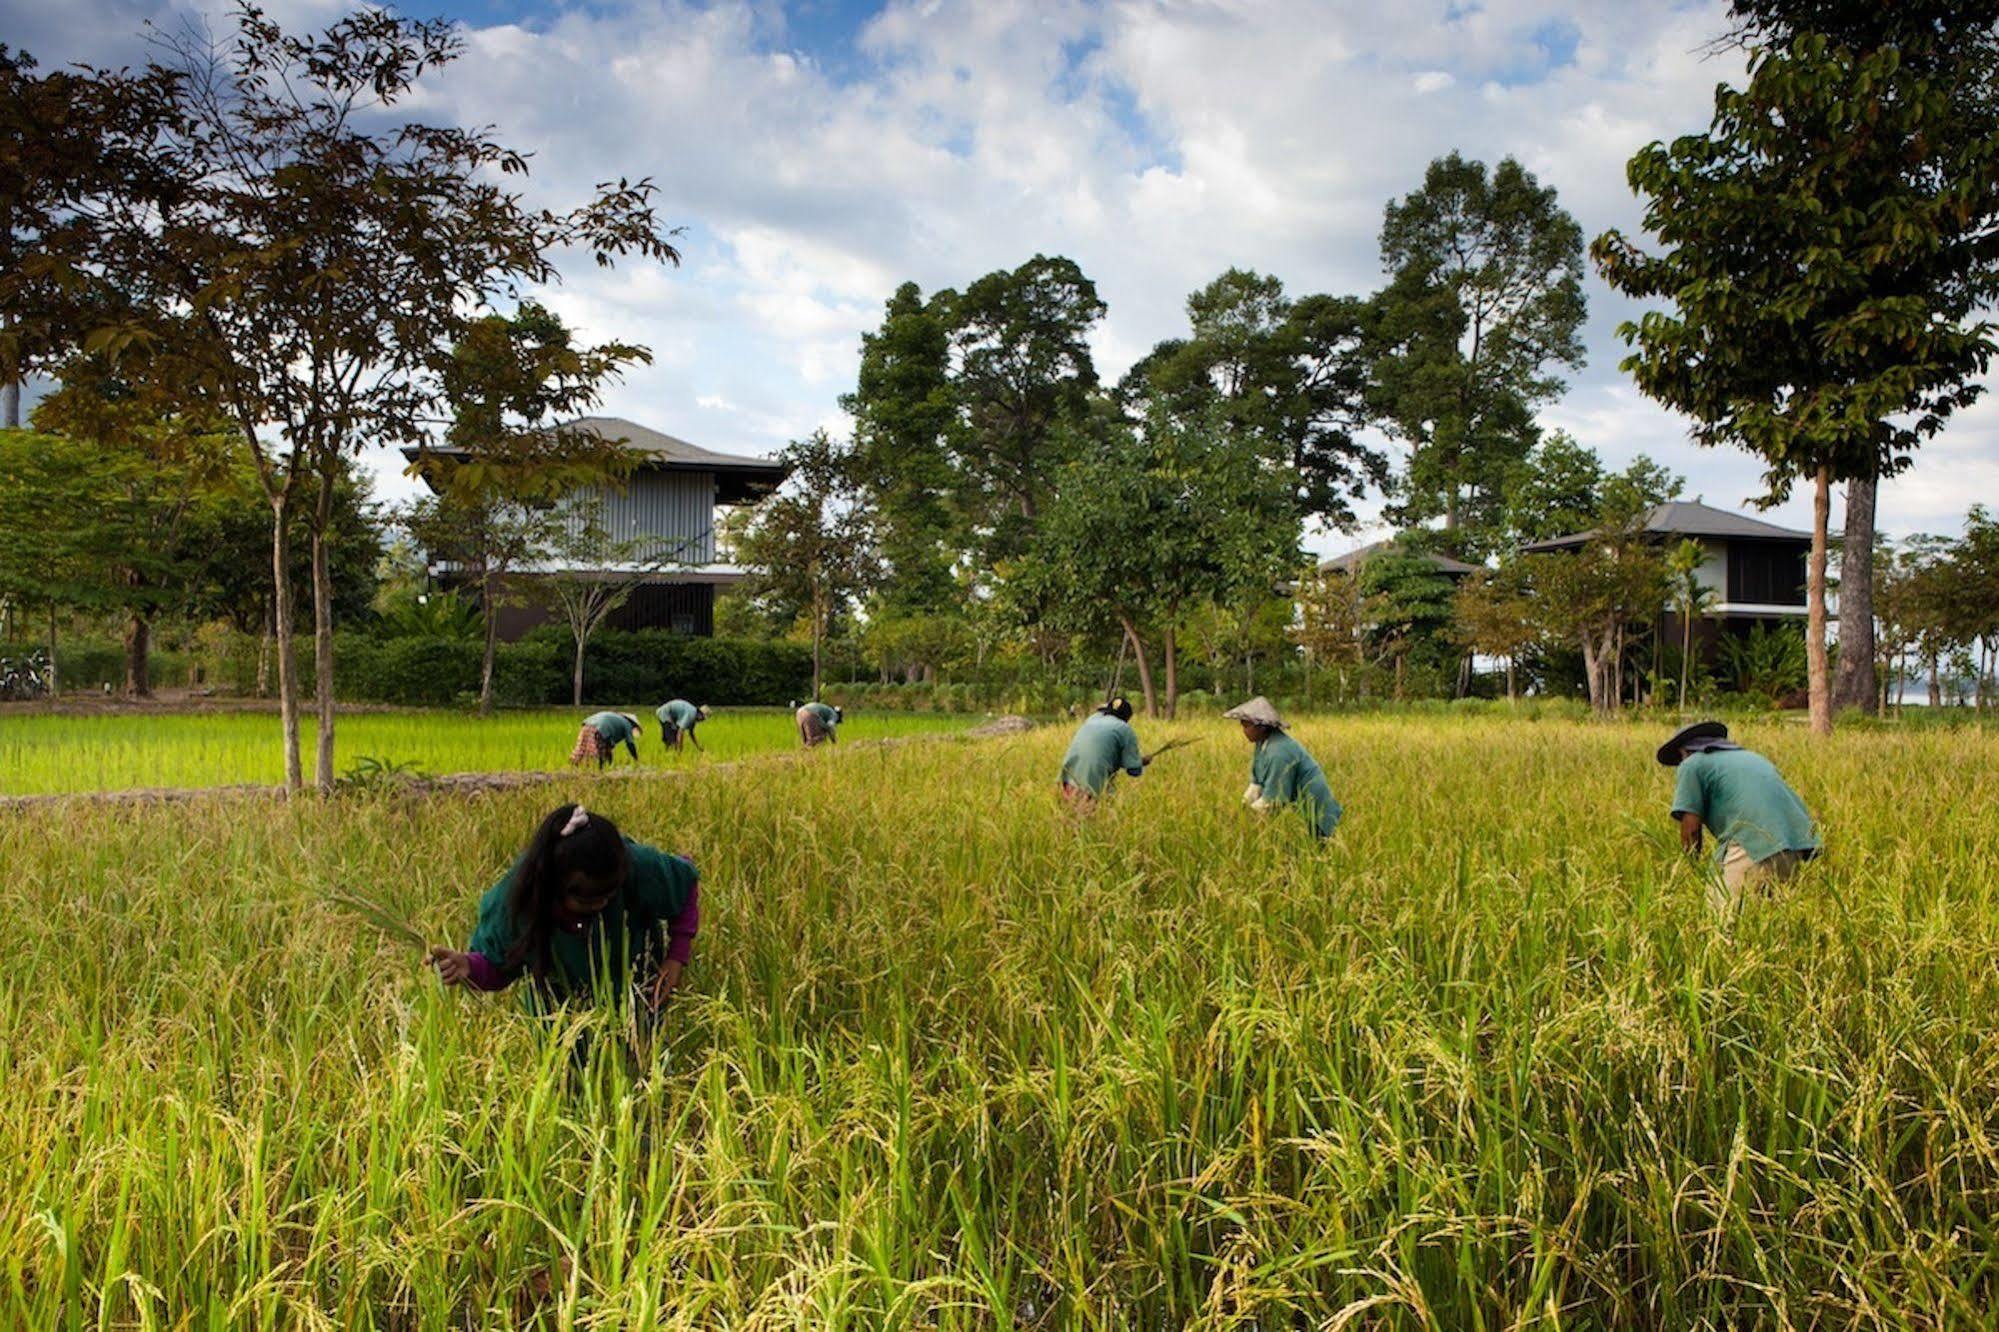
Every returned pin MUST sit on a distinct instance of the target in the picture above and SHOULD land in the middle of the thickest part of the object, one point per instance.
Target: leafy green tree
(811, 547)
(1292, 373)
(1828, 246)
(1482, 311)
(1152, 520)
(1691, 598)
(1406, 601)
(1023, 372)
(1555, 491)
(1947, 48)
(507, 456)
(1493, 614)
(905, 407)
(1331, 626)
(297, 256)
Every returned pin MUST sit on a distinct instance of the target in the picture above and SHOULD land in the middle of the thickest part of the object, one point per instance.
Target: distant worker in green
(1762, 831)
(601, 735)
(817, 723)
(1104, 744)
(677, 720)
(1281, 772)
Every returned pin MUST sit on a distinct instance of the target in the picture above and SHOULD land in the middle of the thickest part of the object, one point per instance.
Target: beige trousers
(1739, 874)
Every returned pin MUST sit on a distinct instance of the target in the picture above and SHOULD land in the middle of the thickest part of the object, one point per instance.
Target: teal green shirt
(1103, 744)
(628, 938)
(1290, 776)
(1743, 801)
(824, 712)
(679, 714)
(615, 727)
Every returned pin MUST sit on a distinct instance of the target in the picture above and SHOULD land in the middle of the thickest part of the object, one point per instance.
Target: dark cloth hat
(1119, 707)
(1672, 751)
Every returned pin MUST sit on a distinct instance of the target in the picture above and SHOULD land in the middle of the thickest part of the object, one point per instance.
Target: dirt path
(473, 783)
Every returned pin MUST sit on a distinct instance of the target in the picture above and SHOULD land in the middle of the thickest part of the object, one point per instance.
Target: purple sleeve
(680, 931)
(481, 972)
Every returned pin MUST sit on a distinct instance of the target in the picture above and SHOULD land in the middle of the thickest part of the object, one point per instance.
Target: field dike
(476, 783)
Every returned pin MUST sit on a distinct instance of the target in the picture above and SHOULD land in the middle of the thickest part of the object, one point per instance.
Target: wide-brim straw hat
(1669, 753)
(1259, 710)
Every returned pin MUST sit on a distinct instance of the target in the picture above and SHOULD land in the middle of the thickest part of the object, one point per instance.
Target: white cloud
(1154, 141)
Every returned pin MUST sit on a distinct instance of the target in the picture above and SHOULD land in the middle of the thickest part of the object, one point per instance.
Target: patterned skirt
(811, 730)
(590, 745)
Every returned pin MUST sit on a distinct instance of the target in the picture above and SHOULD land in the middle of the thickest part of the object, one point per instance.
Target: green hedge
(618, 668)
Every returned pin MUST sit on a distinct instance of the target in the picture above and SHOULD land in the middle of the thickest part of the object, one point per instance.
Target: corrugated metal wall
(676, 507)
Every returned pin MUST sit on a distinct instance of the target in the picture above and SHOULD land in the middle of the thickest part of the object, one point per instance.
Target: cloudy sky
(819, 152)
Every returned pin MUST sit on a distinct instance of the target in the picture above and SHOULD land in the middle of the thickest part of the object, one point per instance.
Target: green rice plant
(950, 1057)
(49, 753)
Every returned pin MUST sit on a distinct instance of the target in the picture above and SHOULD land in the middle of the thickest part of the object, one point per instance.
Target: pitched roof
(1353, 559)
(664, 448)
(1688, 518)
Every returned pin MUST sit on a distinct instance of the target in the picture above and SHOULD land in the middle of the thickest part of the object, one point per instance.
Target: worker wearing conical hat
(1762, 831)
(1104, 745)
(1281, 772)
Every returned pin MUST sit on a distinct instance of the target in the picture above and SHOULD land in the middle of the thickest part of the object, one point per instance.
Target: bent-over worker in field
(1761, 829)
(818, 722)
(584, 906)
(601, 735)
(1281, 772)
(677, 720)
(1104, 744)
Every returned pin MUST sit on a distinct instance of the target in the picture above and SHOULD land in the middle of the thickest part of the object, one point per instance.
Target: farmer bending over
(582, 903)
(1761, 829)
(1281, 772)
(677, 720)
(601, 735)
(817, 722)
(1104, 744)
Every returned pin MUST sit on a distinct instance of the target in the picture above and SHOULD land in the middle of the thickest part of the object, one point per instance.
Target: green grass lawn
(948, 1058)
(46, 753)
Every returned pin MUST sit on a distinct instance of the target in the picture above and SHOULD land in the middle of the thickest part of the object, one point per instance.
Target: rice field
(946, 1058)
(50, 753)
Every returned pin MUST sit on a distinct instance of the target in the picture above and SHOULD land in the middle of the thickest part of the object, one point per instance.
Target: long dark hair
(594, 850)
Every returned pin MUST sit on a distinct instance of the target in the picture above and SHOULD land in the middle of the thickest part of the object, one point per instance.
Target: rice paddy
(48, 753)
(947, 1058)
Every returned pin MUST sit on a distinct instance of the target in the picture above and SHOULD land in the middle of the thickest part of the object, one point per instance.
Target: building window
(683, 624)
(1766, 575)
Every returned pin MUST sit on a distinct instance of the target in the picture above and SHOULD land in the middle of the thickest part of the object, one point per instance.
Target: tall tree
(1151, 520)
(811, 547)
(1945, 48)
(307, 261)
(591, 572)
(1293, 374)
(149, 470)
(905, 407)
(1481, 313)
(1556, 490)
(507, 456)
(1023, 369)
(1824, 267)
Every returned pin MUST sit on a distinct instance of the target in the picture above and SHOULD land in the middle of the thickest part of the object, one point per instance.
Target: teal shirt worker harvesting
(677, 720)
(1281, 772)
(1104, 745)
(601, 735)
(1762, 831)
(818, 723)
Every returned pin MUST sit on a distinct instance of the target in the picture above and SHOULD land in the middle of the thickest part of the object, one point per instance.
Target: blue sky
(818, 153)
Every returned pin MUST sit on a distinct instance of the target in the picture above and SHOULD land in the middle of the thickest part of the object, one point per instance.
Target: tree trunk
(55, 674)
(138, 662)
(10, 392)
(818, 641)
(1144, 667)
(1933, 662)
(1511, 695)
(1818, 678)
(1172, 675)
(576, 675)
(322, 660)
(492, 647)
(264, 637)
(1853, 686)
(282, 628)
